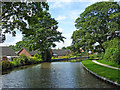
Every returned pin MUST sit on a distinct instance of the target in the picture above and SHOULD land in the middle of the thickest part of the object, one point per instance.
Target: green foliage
(19, 12)
(20, 61)
(101, 55)
(98, 23)
(42, 31)
(43, 35)
(79, 54)
(63, 48)
(6, 64)
(36, 55)
(93, 56)
(19, 45)
(37, 58)
(112, 52)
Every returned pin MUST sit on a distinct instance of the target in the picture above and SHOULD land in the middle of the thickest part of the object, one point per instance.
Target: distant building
(7, 53)
(27, 53)
(59, 52)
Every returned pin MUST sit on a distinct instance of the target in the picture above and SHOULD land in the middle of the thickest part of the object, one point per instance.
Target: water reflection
(52, 75)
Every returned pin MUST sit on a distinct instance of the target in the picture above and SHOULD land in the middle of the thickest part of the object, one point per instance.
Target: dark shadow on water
(7, 71)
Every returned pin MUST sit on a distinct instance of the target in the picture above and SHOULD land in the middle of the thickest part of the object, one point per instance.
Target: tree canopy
(41, 35)
(39, 29)
(17, 15)
(98, 23)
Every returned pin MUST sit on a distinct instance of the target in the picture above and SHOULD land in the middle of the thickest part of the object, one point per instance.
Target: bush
(93, 56)
(79, 54)
(22, 60)
(6, 64)
(29, 61)
(18, 61)
(112, 53)
(13, 63)
(37, 58)
(100, 55)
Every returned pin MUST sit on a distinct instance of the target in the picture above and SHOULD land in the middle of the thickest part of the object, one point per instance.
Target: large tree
(43, 34)
(98, 23)
(16, 14)
(39, 29)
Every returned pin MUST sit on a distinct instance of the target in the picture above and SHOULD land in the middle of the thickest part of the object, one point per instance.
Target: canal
(52, 75)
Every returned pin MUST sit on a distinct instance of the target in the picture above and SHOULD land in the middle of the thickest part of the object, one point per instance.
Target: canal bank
(102, 73)
(53, 75)
(9, 65)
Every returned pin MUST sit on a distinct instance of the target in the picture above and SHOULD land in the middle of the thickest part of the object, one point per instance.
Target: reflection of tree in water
(7, 71)
(45, 65)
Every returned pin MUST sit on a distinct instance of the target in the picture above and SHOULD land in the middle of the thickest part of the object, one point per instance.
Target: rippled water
(53, 75)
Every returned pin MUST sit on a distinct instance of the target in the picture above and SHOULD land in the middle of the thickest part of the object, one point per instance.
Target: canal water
(52, 75)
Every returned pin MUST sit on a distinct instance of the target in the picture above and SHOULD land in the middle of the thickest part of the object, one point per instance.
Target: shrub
(79, 54)
(13, 63)
(5, 64)
(112, 52)
(30, 60)
(18, 61)
(100, 55)
(93, 56)
(24, 59)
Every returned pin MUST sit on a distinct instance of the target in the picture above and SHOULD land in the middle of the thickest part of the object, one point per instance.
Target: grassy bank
(109, 63)
(106, 72)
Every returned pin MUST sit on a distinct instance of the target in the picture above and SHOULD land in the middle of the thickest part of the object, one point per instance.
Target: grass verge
(109, 63)
(106, 72)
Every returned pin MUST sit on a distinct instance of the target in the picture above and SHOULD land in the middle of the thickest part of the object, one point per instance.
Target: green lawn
(106, 72)
(109, 63)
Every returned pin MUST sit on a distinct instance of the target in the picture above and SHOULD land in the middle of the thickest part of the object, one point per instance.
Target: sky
(65, 12)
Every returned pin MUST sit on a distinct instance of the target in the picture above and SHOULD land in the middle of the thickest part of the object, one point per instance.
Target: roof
(7, 51)
(60, 52)
(30, 52)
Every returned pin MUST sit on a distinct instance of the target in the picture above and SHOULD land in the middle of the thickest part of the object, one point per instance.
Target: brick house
(27, 53)
(60, 53)
(7, 53)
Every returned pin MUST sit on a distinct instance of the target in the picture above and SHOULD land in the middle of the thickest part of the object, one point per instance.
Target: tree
(43, 34)
(63, 48)
(16, 14)
(98, 23)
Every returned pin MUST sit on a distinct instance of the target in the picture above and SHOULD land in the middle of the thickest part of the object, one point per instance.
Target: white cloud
(78, 0)
(60, 29)
(60, 18)
(67, 41)
(2, 44)
(74, 14)
(56, 5)
(59, 3)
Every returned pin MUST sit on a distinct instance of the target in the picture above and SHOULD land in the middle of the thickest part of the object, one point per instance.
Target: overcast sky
(65, 12)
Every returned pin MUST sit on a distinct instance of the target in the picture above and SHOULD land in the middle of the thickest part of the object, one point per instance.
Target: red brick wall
(23, 51)
(4, 58)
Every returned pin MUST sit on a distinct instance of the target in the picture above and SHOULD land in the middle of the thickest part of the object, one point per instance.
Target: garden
(21, 61)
